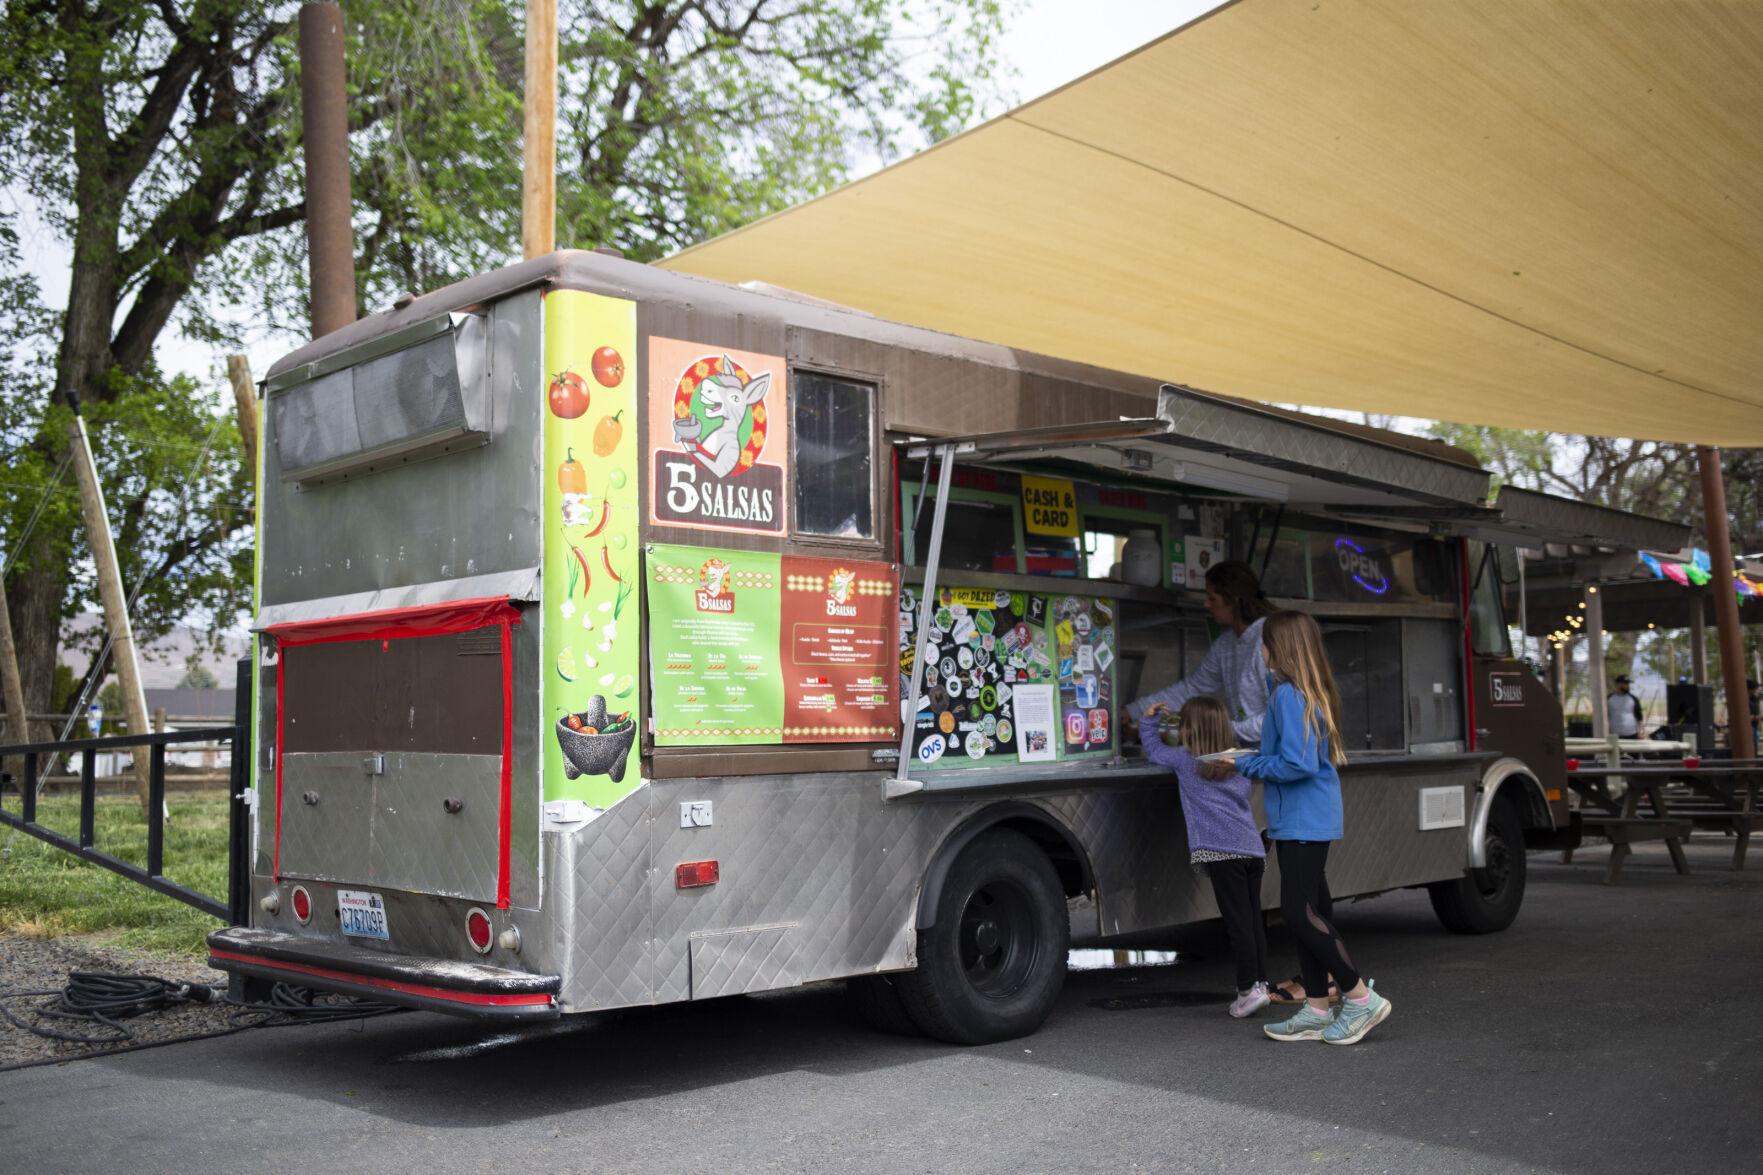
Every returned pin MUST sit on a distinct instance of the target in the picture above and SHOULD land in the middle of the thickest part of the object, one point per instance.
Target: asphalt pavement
(1611, 1029)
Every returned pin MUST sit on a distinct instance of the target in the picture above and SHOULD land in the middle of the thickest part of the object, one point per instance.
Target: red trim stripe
(391, 623)
(281, 674)
(506, 820)
(479, 998)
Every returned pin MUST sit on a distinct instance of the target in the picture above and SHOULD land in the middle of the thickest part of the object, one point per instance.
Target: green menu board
(713, 646)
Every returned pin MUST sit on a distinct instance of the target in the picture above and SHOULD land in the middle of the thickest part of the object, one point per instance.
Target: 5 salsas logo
(718, 437)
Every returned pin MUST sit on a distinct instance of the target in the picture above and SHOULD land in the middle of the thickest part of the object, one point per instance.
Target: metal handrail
(153, 876)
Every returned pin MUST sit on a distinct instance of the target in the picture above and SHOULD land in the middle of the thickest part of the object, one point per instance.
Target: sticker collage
(1009, 676)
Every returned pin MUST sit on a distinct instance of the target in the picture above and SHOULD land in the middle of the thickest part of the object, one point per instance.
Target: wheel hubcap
(998, 944)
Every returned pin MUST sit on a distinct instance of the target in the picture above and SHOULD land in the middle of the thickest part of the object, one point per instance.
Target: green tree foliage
(159, 141)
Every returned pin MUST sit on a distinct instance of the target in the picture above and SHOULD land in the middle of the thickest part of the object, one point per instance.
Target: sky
(1044, 45)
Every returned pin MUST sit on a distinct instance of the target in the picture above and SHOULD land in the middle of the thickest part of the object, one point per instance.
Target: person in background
(1223, 839)
(1624, 710)
(1233, 670)
(1301, 747)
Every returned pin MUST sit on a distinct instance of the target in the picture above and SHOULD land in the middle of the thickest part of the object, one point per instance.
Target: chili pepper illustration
(606, 558)
(605, 512)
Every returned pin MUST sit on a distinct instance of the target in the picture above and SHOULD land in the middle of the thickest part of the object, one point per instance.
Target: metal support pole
(30, 787)
(538, 189)
(156, 810)
(324, 123)
(900, 785)
(239, 785)
(88, 798)
(1594, 623)
(1726, 604)
(1698, 643)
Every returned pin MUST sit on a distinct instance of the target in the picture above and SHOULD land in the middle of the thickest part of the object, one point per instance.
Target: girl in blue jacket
(1300, 748)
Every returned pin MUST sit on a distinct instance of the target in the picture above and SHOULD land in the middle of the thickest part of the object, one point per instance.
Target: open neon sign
(1364, 570)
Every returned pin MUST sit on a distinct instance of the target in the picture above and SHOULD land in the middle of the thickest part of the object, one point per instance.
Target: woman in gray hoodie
(1234, 670)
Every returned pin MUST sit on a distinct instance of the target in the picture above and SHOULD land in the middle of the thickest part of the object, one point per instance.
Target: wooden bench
(1623, 831)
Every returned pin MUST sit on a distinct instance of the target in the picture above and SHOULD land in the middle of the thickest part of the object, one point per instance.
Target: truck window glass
(1487, 619)
(834, 431)
(980, 531)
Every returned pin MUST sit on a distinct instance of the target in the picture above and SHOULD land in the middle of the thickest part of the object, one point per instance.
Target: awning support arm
(900, 785)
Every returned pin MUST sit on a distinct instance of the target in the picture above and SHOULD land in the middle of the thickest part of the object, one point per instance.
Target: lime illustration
(566, 664)
(623, 686)
(616, 479)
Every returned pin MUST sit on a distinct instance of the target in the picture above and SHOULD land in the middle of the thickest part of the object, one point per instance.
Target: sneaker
(1355, 1020)
(1249, 1002)
(1308, 1024)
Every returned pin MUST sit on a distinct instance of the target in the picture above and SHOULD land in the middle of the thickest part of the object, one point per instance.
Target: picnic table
(1729, 784)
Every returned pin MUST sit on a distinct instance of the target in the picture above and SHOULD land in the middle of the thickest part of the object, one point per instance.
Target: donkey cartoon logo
(728, 399)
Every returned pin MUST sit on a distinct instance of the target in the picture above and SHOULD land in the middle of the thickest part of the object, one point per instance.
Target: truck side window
(1487, 619)
(834, 424)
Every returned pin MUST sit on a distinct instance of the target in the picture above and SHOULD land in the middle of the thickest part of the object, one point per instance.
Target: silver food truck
(628, 638)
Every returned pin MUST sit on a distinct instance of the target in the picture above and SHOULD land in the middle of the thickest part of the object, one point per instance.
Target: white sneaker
(1249, 1002)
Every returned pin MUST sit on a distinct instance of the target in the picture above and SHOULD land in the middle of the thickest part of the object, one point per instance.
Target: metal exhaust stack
(330, 235)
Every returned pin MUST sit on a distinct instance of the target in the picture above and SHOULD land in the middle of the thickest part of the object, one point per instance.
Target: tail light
(302, 903)
(477, 930)
(693, 874)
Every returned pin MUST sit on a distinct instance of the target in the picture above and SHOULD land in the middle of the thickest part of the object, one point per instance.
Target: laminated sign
(718, 438)
(754, 647)
(1049, 506)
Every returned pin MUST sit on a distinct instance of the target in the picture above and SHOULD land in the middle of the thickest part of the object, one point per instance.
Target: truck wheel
(994, 963)
(1485, 900)
(878, 1001)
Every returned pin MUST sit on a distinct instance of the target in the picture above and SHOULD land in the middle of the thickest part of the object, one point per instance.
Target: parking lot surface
(1611, 1029)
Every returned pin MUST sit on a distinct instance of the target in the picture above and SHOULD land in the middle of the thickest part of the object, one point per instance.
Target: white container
(1141, 561)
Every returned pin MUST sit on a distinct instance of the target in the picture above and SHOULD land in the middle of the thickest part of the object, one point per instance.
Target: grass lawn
(45, 891)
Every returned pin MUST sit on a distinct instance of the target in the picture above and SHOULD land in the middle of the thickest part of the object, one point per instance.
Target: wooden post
(11, 684)
(1726, 604)
(238, 369)
(538, 204)
(110, 591)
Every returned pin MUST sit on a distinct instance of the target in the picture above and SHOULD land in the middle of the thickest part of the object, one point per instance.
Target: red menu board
(839, 630)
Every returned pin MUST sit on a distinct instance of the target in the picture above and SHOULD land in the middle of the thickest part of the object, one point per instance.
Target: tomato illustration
(568, 395)
(607, 434)
(608, 367)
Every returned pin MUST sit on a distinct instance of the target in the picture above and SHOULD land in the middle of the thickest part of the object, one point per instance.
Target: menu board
(995, 685)
(752, 647)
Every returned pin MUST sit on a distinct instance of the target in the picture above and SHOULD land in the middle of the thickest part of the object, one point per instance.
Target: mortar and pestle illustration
(602, 744)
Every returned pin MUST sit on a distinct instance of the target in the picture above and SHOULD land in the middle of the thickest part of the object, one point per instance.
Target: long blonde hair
(1295, 654)
(1206, 730)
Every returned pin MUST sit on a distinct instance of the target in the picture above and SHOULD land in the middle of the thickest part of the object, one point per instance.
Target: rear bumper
(435, 985)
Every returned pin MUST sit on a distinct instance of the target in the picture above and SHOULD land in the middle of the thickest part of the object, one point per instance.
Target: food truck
(627, 638)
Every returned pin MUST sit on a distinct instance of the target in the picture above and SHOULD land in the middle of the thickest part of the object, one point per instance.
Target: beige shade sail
(1528, 213)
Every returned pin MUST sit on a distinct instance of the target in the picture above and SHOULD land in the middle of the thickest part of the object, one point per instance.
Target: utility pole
(538, 190)
(110, 591)
(1726, 604)
(324, 133)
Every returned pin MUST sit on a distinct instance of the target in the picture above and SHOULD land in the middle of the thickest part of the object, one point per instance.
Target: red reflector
(1573, 764)
(1692, 761)
(695, 873)
(302, 905)
(477, 929)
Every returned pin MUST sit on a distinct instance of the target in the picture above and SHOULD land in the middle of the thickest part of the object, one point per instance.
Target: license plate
(363, 914)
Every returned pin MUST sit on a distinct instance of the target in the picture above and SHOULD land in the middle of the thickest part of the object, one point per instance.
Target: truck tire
(1486, 900)
(877, 1000)
(993, 965)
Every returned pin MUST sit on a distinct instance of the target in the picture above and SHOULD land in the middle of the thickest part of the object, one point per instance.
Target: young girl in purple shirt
(1222, 837)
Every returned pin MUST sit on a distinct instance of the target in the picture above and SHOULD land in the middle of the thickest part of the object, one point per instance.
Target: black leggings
(1305, 903)
(1237, 886)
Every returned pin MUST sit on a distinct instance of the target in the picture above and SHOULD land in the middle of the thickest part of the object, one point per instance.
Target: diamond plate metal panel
(822, 852)
(728, 962)
(332, 838)
(598, 901)
(419, 845)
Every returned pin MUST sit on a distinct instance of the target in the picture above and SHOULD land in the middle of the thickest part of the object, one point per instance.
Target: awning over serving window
(1526, 213)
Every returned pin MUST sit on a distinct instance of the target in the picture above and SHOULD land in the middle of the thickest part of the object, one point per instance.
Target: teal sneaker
(1353, 1020)
(1308, 1024)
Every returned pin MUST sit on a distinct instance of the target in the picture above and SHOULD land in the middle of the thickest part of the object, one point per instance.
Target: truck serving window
(981, 532)
(430, 395)
(834, 426)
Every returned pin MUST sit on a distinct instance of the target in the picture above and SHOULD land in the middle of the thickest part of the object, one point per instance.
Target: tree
(160, 139)
(197, 675)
